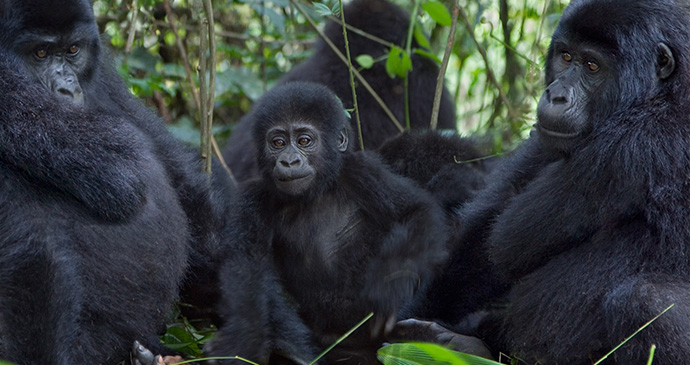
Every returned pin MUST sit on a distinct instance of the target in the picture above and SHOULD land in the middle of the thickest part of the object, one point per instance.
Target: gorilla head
(57, 42)
(303, 132)
(593, 71)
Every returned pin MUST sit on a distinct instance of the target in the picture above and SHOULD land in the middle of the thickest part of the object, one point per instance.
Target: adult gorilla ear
(343, 140)
(665, 61)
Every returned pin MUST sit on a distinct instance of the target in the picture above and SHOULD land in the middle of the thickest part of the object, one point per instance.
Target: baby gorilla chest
(326, 240)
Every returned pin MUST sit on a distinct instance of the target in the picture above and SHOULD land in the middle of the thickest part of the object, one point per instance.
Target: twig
(182, 50)
(208, 118)
(352, 77)
(444, 65)
(408, 52)
(188, 72)
(489, 72)
(203, 92)
(363, 33)
(132, 28)
(340, 55)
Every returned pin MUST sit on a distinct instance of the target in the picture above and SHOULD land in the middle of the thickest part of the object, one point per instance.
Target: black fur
(361, 239)
(102, 210)
(453, 169)
(592, 230)
(386, 21)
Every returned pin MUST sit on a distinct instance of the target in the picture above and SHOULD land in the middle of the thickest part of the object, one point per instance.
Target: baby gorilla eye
(278, 142)
(304, 141)
(565, 56)
(73, 49)
(592, 66)
(41, 53)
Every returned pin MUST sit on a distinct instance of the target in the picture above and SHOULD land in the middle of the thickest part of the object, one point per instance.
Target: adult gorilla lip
(292, 178)
(554, 134)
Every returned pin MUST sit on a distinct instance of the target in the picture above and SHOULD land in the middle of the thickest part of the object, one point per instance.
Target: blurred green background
(257, 41)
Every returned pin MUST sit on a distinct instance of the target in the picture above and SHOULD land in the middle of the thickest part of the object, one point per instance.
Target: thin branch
(203, 92)
(362, 33)
(408, 52)
(132, 28)
(344, 60)
(190, 79)
(444, 65)
(208, 118)
(182, 50)
(352, 77)
(489, 72)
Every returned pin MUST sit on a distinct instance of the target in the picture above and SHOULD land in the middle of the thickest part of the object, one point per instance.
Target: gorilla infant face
(291, 146)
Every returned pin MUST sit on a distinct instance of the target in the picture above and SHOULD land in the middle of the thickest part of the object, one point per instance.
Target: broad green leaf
(427, 354)
(438, 12)
(398, 62)
(365, 61)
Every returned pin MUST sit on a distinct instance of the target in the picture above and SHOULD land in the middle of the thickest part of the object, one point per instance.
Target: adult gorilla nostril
(559, 99)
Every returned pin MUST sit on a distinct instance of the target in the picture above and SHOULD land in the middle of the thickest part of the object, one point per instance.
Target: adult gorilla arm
(37, 140)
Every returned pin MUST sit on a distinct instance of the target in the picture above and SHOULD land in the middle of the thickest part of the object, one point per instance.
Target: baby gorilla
(343, 235)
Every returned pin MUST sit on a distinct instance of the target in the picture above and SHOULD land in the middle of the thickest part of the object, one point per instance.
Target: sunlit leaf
(398, 62)
(438, 12)
(365, 61)
(420, 37)
(427, 354)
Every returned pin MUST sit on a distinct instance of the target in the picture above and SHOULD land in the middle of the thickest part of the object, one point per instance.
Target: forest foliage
(495, 70)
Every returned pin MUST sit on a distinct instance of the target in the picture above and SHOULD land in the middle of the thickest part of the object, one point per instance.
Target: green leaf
(398, 62)
(420, 37)
(322, 9)
(426, 54)
(365, 61)
(427, 354)
(438, 12)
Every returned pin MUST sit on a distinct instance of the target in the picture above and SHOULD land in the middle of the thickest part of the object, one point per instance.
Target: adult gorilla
(386, 21)
(589, 219)
(100, 208)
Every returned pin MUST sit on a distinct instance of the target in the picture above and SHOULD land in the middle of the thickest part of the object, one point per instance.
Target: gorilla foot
(143, 356)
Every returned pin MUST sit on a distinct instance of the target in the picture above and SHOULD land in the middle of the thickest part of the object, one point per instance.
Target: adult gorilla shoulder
(343, 234)
(386, 21)
(588, 220)
(101, 205)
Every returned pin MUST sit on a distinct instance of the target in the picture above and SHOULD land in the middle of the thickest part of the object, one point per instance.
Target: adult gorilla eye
(41, 53)
(73, 49)
(304, 141)
(592, 66)
(565, 56)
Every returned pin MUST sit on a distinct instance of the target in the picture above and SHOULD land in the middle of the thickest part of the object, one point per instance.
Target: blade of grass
(634, 334)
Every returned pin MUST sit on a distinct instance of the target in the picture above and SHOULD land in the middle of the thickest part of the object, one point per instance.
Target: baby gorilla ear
(343, 140)
(665, 61)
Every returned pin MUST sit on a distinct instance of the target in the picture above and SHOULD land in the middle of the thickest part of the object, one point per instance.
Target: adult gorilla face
(590, 74)
(57, 40)
(578, 74)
